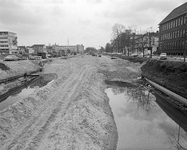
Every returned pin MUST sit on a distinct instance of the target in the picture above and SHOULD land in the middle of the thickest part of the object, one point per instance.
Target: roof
(6, 32)
(175, 13)
(38, 45)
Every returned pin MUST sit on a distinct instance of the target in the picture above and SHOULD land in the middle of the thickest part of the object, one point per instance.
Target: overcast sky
(87, 22)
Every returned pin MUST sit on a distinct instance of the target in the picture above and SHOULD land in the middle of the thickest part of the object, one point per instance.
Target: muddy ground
(170, 74)
(13, 68)
(72, 112)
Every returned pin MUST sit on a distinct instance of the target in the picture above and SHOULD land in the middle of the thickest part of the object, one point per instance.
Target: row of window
(3, 50)
(3, 37)
(3, 33)
(3, 41)
(173, 45)
(173, 35)
(174, 23)
(3, 45)
(8, 34)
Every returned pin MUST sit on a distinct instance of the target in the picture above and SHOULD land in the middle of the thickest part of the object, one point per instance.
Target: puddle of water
(142, 124)
(28, 89)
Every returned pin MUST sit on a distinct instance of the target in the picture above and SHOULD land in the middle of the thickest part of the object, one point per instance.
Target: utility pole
(184, 54)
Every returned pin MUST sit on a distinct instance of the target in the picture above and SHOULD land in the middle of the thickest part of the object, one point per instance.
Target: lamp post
(149, 41)
(184, 54)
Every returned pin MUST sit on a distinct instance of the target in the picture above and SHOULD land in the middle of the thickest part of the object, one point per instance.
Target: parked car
(163, 56)
(35, 57)
(134, 55)
(11, 58)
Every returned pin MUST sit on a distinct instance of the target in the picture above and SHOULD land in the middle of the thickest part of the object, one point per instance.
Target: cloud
(13, 13)
(34, 19)
(84, 21)
(167, 127)
(140, 12)
(94, 1)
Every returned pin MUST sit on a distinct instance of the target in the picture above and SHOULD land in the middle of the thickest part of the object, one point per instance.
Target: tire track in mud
(35, 123)
(77, 115)
(68, 84)
(85, 124)
(69, 91)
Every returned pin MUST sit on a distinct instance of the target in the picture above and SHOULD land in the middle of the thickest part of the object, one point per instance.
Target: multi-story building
(172, 38)
(69, 48)
(8, 42)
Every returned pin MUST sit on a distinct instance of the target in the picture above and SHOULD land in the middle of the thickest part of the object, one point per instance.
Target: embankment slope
(170, 74)
(13, 68)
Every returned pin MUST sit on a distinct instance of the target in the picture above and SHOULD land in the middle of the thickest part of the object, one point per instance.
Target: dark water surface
(27, 89)
(145, 121)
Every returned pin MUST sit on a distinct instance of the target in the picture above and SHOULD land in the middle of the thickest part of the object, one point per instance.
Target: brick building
(172, 38)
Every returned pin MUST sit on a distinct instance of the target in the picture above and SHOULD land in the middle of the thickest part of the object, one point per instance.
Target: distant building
(22, 49)
(49, 49)
(143, 43)
(30, 50)
(39, 48)
(152, 39)
(68, 49)
(172, 38)
(8, 42)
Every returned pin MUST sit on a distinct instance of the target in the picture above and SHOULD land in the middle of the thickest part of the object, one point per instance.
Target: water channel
(26, 89)
(145, 121)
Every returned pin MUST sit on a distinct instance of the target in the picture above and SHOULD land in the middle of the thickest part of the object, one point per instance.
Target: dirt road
(71, 112)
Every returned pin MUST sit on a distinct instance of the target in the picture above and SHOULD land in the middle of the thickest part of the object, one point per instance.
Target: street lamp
(184, 54)
(149, 40)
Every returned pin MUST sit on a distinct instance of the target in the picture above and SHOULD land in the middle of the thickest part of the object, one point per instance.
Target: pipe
(168, 92)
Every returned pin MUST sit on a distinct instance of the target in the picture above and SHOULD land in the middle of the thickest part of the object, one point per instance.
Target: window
(181, 20)
(184, 19)
(180, 33)
(184, 33)
(176, 23)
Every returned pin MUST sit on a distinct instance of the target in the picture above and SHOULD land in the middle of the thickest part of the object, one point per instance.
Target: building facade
(144, 43)
(172, 29)
(68, 49)
(8, 42)
(39, 48)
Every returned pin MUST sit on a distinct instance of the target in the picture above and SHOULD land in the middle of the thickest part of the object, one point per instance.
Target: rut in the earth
(72, 113)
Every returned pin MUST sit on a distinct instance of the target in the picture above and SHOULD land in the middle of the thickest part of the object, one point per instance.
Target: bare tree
(117, 30)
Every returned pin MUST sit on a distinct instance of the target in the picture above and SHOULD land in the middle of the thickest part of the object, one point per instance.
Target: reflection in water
(26, 90)
(142, 96)
(43, 80)
(156, 126)
(178, 139)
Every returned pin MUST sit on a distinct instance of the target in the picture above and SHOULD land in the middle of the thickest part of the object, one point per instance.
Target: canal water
(27, 89)
(146, 121)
